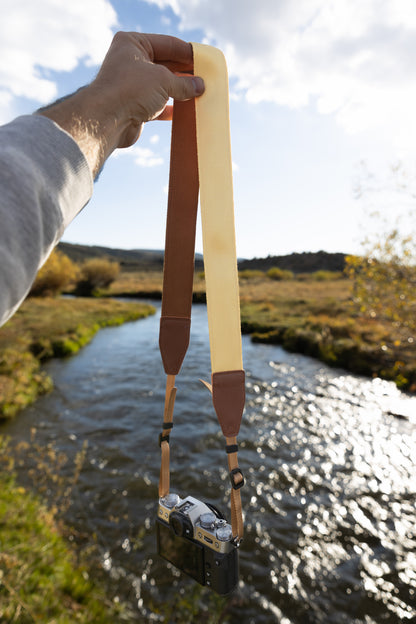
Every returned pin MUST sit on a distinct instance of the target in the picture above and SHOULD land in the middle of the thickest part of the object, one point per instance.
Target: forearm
(81, 115)
(45, 182)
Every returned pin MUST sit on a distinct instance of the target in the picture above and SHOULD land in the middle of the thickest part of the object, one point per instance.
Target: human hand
(138, 76)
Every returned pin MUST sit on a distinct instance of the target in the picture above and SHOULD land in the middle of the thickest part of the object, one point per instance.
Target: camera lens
(224, 534)
(207, 520)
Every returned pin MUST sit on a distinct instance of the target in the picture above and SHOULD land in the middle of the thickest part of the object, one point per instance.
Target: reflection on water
(330, 476)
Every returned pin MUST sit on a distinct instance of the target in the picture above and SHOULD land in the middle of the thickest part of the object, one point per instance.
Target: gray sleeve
(44, 183)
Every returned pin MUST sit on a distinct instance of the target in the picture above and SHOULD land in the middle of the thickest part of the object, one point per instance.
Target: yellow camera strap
(201, 160)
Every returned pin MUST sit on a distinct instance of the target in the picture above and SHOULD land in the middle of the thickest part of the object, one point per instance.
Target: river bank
(42, 577)
(44, 328)
(312, 314)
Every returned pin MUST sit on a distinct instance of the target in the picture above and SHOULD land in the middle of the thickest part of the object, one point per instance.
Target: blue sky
(317, 87)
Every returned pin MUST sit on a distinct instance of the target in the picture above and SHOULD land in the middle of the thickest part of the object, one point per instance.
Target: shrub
(57, 274)
(97, 273)
(279, 274)
(247, 274)
(323, 276)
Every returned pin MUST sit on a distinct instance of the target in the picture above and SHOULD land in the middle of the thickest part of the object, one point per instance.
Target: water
(330, 476)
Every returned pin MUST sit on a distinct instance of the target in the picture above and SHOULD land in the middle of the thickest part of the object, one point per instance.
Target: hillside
(151, 260)
(306, 262)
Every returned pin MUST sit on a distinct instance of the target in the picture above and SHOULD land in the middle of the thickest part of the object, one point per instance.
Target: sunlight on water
(342, 527)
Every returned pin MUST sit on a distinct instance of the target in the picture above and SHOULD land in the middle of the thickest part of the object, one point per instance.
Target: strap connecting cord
(164, 479)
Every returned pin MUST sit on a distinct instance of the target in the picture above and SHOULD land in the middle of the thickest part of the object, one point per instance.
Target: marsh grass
(48, 327)
(312, 314)
(317, 317)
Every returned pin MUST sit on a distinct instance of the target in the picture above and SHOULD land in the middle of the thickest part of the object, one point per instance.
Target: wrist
(96, 131)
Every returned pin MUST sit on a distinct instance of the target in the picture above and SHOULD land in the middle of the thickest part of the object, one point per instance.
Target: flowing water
(328, 457)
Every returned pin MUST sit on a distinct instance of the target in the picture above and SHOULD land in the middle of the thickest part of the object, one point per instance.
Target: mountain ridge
(152, 259)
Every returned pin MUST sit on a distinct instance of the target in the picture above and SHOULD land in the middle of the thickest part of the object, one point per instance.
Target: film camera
(197, 540)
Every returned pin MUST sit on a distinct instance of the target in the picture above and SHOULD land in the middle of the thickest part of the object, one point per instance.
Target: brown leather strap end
(228, 395)
(173, 342)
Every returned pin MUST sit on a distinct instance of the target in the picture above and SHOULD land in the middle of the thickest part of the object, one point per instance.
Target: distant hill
(306, 262)
(152, 259)
(129, 259)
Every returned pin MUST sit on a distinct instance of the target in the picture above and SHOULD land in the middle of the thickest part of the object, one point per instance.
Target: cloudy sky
(322, 91)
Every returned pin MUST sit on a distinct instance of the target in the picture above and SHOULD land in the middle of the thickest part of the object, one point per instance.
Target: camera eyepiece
(181, 525)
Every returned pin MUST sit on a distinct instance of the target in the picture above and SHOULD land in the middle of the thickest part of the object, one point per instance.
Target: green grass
(316, 318)
(41, 579)
(48, 327)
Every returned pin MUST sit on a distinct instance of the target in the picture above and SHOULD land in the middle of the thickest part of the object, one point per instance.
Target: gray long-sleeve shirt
(44, 183)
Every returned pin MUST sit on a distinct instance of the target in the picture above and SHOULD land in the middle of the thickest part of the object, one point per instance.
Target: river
(329, 461)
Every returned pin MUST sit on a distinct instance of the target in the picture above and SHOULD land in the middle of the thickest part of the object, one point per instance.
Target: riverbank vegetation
(317, 314)
(42, 579)
(46, 327)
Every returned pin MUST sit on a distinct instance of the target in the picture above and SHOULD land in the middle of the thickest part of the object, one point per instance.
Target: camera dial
(170, 500)
(207, 520)
(224, 533)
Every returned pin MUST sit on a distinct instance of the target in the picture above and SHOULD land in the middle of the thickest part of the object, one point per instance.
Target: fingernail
(199, 85)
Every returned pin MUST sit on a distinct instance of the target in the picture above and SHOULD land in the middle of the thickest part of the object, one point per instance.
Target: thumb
(186, 87)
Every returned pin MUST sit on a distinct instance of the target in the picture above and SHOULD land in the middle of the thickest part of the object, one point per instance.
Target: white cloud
(354, 59)
(142, 156)
(50, 35)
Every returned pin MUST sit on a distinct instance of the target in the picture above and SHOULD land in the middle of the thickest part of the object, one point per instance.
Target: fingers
(185, 87)
(171, 51)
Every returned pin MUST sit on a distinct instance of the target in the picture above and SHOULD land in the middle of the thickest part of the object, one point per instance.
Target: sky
(322, 101)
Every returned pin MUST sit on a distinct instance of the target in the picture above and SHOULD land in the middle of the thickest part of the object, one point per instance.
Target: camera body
(198, 541)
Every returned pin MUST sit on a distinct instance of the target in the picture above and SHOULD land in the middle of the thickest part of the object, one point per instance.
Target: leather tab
(228, 395)
(173, 342)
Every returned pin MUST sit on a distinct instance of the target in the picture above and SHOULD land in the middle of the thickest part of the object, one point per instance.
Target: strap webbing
(201, 154)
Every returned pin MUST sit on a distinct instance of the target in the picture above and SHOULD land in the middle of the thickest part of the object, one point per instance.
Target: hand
(138, 76)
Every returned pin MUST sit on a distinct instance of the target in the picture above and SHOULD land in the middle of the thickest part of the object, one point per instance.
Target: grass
(41, 578)
(48, 327)
(316, 317)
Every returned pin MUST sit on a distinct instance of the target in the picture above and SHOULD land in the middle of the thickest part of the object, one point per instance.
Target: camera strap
(201, 161)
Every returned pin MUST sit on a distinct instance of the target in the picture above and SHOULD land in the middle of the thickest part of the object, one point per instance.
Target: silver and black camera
(197, 540)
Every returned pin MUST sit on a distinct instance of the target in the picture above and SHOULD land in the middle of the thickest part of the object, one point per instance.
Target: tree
(384, 277)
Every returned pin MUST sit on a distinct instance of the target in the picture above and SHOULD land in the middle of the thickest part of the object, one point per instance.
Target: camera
(196, 538)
